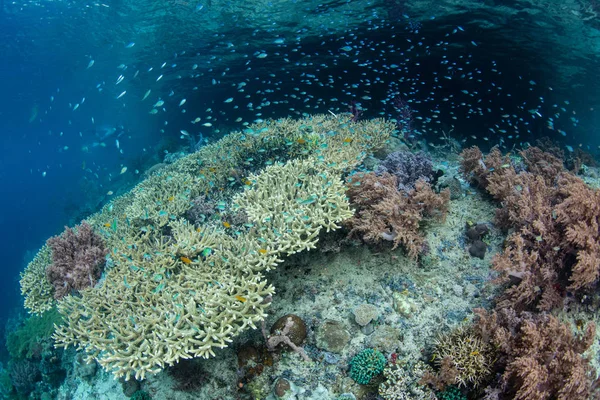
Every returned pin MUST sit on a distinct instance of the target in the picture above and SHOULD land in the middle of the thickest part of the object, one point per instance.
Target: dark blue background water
(46, 49)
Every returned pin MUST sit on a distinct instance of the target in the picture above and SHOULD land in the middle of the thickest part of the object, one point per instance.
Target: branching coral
(385, 213)
(78, 258)
(38, 292)
(180, 295)
(463, 359)
(175, 290)
(539, 356)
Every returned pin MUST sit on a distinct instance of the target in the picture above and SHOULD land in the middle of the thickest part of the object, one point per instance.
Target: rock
(130, 387)
(386, 338)
(247, 356)
(477, 232)
(332, 336)
(365, 313)
(282, 386)
(297, 332)
(477, 249)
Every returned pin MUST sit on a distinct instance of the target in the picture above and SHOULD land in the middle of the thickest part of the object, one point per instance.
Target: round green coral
(366, 365)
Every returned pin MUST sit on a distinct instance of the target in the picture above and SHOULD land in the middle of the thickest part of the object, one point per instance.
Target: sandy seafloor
(415, 300)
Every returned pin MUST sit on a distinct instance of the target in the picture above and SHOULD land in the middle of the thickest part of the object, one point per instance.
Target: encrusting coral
(384, 213)
(173, 290)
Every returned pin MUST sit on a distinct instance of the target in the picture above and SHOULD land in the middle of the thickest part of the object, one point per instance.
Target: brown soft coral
(78, 258)
(538, 355)
(385, 213)
(579, 217)
(555, 218)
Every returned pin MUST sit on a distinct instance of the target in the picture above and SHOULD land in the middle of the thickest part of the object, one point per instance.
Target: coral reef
(383, 213)
(78, 258)
(177, 291)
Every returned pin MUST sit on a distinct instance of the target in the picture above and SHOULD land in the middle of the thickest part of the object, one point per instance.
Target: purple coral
(408, 168)
(78, 259)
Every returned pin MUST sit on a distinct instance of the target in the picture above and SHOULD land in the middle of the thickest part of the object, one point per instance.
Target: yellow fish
(262, 251)
(240, 298)
(348, 140)
(226, 224)
(185, 260)
(107, 225)
(171, 198)
(301, 141)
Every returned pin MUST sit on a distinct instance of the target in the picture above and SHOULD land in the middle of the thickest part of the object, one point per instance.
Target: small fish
(107, 225)
(348, 140)
(130, 45)
(207, 124)
(90, 64)
(206, 252)
(262, 251)
(153, 111)
(110, 193)
(226, 224)
(196, 120)
(159, 78)
(171, 198)
(229, 100)
(159, 103)
(182, 102)
(262, 55)
(122, 94)
(146, 95)
(123, 170)
(240, 298)
(185, 260)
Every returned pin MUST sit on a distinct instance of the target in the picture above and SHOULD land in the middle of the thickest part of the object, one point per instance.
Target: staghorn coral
(384, 213)
(339, 145)
(539, 357)
(176, 296)
(38, 292)
(175, 290)
(78, 258)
